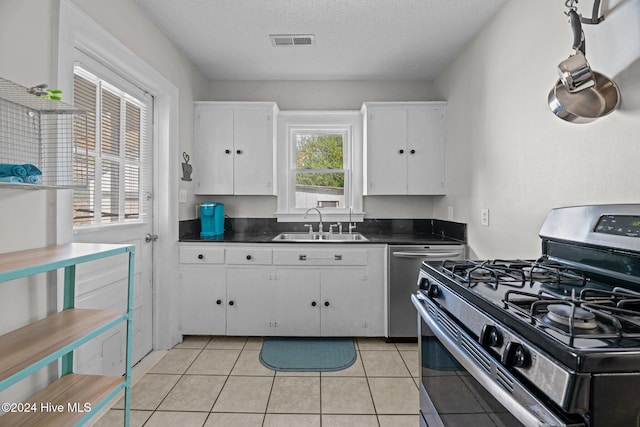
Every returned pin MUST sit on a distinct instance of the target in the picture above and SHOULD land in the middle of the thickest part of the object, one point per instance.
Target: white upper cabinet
(404, 148)
(235, 148)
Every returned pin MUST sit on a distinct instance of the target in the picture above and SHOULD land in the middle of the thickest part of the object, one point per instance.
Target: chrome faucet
(352, 225)
(320, 230)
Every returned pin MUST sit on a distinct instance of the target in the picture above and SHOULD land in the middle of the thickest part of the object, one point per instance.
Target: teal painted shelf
(25, 350)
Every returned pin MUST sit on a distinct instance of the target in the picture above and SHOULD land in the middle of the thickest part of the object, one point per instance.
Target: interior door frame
(77, 30)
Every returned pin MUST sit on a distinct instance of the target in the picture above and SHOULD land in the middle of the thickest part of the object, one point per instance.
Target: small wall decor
(187, 169)
(42, 91)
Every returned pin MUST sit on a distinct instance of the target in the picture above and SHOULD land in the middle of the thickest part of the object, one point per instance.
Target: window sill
(86, 229)
(327, 217)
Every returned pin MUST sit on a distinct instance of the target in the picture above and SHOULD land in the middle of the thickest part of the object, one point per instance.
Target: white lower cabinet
(295, 290)
(297, 302)
(344, 312)
(204, 299)
(250, 301)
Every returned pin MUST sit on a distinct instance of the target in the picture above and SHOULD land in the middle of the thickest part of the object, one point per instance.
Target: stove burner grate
(598, 316)
(512, 273)
(570, 315)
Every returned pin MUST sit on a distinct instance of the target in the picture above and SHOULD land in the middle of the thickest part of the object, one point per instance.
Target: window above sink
(319, 165)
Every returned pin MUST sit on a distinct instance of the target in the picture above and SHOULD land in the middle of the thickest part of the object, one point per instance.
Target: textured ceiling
(354, 39)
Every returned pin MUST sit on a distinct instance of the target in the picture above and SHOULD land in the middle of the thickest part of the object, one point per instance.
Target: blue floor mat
(307, 354)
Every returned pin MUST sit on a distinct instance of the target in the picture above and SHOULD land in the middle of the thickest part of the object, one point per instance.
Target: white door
(342, 303)
(253, 151)
(425, 147)
(204, 300)
(297, 302)
(214, 150)
(386, 151)
(250, 302)
(115, 207)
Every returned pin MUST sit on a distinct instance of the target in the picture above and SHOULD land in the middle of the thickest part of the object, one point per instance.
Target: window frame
(346, 122)
(345, 132)
(104, 79)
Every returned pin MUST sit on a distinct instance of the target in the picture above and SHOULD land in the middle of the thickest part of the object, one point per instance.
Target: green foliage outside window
(319, 152)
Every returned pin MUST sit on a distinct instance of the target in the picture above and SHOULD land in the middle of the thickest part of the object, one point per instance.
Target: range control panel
(619, 225)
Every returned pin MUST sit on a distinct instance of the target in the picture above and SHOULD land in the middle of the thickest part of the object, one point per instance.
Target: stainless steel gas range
(547, 342)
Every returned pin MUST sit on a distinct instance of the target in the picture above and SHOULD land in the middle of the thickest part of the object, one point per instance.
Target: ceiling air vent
(292, 39)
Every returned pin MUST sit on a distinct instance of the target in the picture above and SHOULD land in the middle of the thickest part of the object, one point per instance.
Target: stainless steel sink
(319, 237)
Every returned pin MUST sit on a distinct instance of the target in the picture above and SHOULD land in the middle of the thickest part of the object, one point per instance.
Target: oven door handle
(424, 254)
(531, 413)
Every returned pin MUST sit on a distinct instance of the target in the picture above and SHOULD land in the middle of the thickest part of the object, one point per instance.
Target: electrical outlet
(183, 196)
(450, 213)
(484, 217)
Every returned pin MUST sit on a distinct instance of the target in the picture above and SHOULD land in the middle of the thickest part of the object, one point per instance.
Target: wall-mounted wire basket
(44, 133)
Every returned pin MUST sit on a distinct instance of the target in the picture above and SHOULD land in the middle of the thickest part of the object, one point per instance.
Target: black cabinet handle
(219, 302)
(200, 256)
(401, 151)
(230, 302)
(248, 257)
(313, 304)
(413, 151)
(227, 151)
(326, 303)
(238, 151)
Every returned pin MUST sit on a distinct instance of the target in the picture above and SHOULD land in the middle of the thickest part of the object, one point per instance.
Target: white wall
(28, 38)
(128, 23)
(321, 95)
(509, 153)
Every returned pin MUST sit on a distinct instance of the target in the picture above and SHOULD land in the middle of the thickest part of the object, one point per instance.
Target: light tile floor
(220, 382)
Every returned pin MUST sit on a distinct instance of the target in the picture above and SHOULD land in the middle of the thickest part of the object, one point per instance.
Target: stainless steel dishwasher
(404, 266)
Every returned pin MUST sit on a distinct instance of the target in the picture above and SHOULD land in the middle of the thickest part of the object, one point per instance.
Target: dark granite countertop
(378, 231)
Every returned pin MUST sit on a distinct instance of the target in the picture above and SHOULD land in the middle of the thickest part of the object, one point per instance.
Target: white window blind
(116, 141)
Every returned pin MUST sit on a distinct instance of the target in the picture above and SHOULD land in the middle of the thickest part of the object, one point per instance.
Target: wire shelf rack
(44, 137)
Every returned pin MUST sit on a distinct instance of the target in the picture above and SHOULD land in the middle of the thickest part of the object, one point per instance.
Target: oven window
(454, 396)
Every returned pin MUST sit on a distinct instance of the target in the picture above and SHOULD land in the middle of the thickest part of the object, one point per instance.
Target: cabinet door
(297, 304)
(213, 165)
(203, 300)
(386, 151)
(254, 152)
(343, 300)
(425, 150)
(250, 301)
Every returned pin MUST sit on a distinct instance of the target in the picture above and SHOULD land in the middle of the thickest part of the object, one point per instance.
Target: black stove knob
(423, 283)
(433, 291)
(515, 355)
(491, 336)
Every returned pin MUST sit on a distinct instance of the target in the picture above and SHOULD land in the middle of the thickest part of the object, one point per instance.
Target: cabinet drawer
(249, 256)
(313, 257)
(201, 255)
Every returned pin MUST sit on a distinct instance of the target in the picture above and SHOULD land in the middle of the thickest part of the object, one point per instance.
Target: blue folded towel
(14, 170)
(32, 179)
(31, 169)
(11, 179)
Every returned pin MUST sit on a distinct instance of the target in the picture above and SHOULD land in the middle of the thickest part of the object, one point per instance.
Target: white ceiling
(355, 39)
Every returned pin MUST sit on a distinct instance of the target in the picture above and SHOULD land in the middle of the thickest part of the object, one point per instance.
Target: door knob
(150, 237)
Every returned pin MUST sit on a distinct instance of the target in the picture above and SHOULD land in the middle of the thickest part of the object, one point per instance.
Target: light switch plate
(183, 196)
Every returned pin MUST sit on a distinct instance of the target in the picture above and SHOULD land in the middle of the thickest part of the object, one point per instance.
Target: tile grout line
(209, 416)
(273, 381)
(181, 376)
(227, 376)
